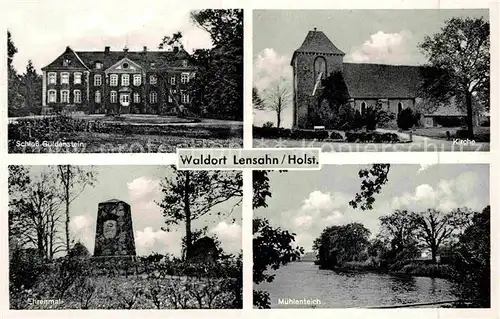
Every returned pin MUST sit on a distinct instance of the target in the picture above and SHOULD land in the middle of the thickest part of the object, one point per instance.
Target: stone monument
(114, 236)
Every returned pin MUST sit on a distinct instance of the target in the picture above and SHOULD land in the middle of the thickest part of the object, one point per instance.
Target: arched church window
(400, 107)
(319, 68)
(363, 107)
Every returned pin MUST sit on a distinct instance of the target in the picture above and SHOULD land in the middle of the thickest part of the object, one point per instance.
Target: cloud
(447, 195)
(381, 47)
(159, 241)
(229, 235)
(82, 229)
(268, 67)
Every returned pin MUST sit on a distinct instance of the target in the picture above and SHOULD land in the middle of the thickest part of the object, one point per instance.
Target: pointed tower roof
(317, 42)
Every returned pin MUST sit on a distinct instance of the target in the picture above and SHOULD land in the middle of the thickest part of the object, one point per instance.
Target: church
(395, 87)
(122, 81)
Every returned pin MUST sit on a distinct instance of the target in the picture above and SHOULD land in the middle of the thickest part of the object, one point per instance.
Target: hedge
(275, 132)
(371, 137)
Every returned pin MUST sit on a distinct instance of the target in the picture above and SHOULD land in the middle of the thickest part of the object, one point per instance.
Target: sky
(139, 186)
(322, 198)
(365, 36)
(41, 30)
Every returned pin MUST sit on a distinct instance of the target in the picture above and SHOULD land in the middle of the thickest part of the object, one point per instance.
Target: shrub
(406, 119)
(309, 134)
(270, 132)
(374, 115)
(371, 137)
(336, 136)
(268, 124)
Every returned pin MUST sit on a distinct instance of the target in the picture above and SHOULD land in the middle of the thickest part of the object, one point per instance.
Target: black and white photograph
(123, 78)
(124, 237)
(372, 80)
(372, 236)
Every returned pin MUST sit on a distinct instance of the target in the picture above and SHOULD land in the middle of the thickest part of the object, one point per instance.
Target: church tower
(316, 58)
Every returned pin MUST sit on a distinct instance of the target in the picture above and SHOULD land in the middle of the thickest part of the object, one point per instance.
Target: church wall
(304, 75)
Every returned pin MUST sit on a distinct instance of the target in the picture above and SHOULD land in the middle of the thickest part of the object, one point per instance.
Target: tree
(372, 181)
(18, 183)
(472, 261)
(406, 119)
(435, 228)
(272, 248)
(79, 250)
(375, 115)
(14, 83)
(334, 91)
(399, 229)
(73, 181)
(339, 244)
(32, 88)
(459, 64)
(190, 195)
(257, 101)
(277, 98)
(219, 80)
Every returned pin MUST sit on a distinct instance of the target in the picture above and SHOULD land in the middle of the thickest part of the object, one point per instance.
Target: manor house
(394, 86)
(103, 81)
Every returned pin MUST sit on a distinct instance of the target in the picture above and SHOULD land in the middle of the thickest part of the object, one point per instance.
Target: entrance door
(124, 99)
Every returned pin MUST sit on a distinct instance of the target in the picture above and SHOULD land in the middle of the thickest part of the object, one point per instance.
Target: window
(363, 107)
(152, 79)
(184, 77)
(97, 80)
(319, 68)
(170, 98)
(66, 62)
(77, 78)
(52, 96)
(52, 78)
(184, 63)
(112, 97)
(172, 80)
(185, 98)
(77, 96)
(125, 80)
(400, 107)
(137, 98)
(64, 78)
(125, 65)
(153, 97)
(98, 65)
(113, 80)
(64, 96)
(97, 96)
(137, 79)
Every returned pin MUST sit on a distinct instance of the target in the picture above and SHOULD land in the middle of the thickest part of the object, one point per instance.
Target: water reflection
(348, 289)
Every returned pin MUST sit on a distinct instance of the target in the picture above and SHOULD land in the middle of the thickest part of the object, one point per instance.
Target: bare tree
(73, 180)
(276, 98)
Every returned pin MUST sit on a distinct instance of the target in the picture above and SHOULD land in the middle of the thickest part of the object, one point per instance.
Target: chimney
(175, 49)
(144, 49)
(315, 29)
(106, 49)
(125, 49)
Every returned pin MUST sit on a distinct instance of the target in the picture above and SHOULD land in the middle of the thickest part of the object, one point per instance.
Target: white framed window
(66, 62)
(184, 63)
(184, 77)
(52, 77)
(153, 97)
(65, 96)
(77, 96)
(98, 65)
(125, 79)
(137, 98)
(98, 96)
(77, 78)
(137, 79)
(172, 80)
(113, 80)
(170, 98)
(97, 80)
(65, 78)
(52, 96)
(185, 98)
(112, 97)
(152, 79)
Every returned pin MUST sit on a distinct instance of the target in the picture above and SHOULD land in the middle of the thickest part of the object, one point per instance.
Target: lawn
(134, 134)
(440, 132)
